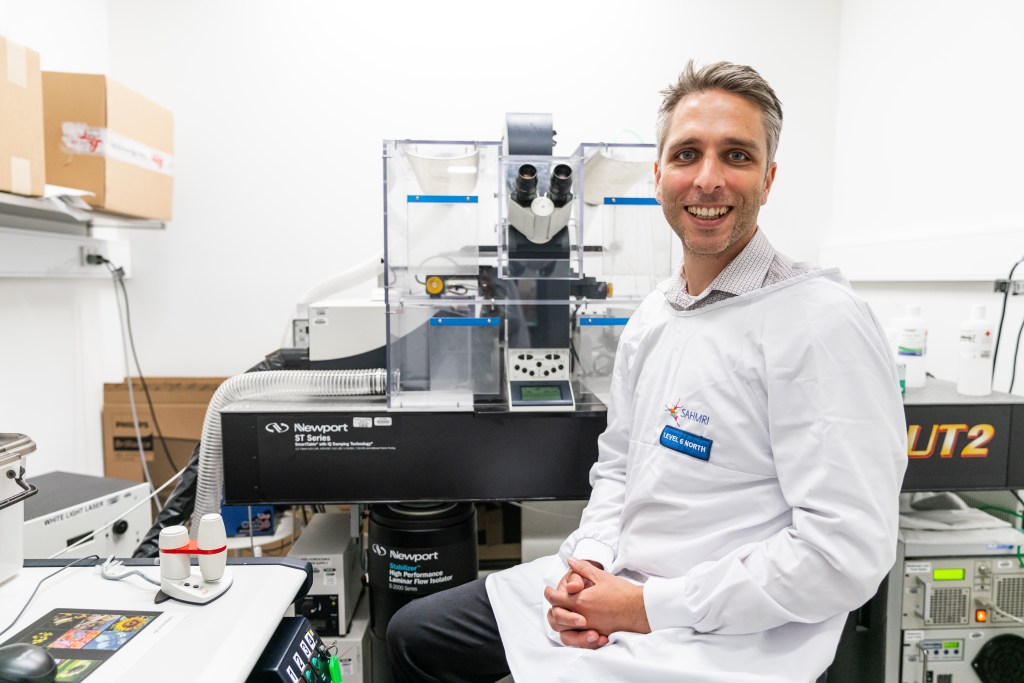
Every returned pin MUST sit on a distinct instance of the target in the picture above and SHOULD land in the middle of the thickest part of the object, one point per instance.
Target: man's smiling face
(713, 175)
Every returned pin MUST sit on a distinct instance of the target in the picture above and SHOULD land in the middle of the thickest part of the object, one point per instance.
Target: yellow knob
(435, 285)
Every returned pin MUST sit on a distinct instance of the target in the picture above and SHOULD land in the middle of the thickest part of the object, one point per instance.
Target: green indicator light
(948, 575)
(951, 645)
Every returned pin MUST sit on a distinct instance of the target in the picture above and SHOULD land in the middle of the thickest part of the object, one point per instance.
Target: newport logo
(278, 427)
(678, 412)
(380, 550)
(320, 429)
(413, 557)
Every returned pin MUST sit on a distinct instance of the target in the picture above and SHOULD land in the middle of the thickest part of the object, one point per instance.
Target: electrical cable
(119, 276)
(1001, 509)
(114, 570)
(127, 512)
(142, 378)
(987, 605)
(48, 576)
(1002, 316)
(115, 273)
(1016, 350)
(1008, 511)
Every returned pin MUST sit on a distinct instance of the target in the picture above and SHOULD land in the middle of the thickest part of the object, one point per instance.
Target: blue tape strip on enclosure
(632, 201)
(442, 199)
(603, 321)
(464, 322)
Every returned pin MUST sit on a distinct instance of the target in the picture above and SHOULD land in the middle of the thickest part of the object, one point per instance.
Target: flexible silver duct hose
(273, 384)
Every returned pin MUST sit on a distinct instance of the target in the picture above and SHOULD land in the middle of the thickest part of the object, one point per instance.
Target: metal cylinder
(417, 549)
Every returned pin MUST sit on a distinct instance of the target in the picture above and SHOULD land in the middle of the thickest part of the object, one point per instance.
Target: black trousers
(448, 637)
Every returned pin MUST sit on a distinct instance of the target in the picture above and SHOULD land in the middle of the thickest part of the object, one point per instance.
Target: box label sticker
(130, 443)
(79, 138)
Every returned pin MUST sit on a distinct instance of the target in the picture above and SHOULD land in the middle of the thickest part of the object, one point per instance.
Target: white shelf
(46, 238)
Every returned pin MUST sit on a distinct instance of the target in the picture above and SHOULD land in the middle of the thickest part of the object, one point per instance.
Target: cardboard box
(22, 156)
(104, 138)
(180, 404)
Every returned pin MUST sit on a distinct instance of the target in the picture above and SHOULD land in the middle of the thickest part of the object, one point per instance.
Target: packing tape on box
(21, 175)
(79, 138)
(17, 64)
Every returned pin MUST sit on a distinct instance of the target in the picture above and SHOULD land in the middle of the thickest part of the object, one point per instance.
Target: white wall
(280, 109)
(927, 165)
(57, 337)
(926, 153)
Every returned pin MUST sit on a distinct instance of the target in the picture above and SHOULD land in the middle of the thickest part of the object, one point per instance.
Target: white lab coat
(752, 558)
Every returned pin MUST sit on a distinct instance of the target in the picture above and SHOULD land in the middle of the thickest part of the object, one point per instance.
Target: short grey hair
(733, 78)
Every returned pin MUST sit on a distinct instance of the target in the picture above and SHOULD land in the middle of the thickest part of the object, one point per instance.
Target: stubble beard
(744, 224)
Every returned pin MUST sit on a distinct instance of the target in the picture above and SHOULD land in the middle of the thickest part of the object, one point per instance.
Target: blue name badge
(685, 442)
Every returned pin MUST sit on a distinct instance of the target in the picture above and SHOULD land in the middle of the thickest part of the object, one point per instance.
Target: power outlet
(300, 333)
(1001, 285)
(90, 256)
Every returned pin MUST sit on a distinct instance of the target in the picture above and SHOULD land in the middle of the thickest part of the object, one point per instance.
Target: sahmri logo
(277, 427)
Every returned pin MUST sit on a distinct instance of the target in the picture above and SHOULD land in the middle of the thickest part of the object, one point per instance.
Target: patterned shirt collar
(745, 273)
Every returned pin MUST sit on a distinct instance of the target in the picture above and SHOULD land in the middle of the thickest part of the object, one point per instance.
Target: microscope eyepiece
(525, 189)
(561, 185)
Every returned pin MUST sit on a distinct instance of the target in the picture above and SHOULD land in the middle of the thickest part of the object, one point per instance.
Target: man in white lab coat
(745, 495)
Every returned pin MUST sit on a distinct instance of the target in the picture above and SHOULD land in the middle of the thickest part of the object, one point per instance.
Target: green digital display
(544, 392)
(948, 575)
(951, 645)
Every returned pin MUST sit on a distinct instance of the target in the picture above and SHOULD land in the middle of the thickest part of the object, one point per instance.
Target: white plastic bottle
(974, 366)
(912, 345)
